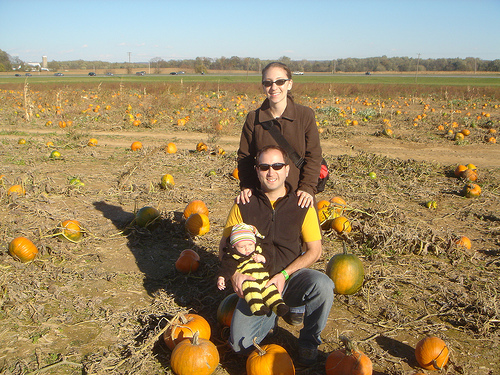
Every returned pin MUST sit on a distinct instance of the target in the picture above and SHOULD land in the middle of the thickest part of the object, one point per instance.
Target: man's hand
(237, 280)
(279, 281)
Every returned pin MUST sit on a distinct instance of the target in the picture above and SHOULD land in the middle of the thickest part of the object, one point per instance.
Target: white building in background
(44, 62)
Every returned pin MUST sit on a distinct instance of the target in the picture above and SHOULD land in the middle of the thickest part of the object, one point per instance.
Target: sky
(119, 30)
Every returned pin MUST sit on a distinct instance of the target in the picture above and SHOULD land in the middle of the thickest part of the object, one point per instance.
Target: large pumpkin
(472, 190)
(197, 224)
(146, 216)
(432, 353)
(346, 271)
(23, 249)
(195, 207)
(70, 230)
(184, 326)
(226, 308)
(194, 356)
(348, 361)
(269, 359)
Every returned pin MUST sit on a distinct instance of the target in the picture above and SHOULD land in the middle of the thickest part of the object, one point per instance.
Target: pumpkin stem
(434, 363)
(350, 347)
(194, 339)
(344, 246)
(259, 349)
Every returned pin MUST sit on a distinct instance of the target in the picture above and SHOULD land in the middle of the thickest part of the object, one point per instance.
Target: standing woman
(296, 123)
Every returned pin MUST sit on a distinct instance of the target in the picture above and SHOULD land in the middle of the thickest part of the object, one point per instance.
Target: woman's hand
(237, 280)
(305, 199)
(244, 196)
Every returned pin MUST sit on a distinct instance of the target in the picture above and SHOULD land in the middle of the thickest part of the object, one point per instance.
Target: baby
(245, 256)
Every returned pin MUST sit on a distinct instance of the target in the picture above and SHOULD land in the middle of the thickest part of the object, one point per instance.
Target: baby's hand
(259, 258)
(221, 284)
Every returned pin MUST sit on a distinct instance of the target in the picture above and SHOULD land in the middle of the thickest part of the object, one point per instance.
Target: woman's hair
(277, 64)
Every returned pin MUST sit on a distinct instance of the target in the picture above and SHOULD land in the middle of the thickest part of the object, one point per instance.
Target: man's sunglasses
(279, 82)
(275, 166)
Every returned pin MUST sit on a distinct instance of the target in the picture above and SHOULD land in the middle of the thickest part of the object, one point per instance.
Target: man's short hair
(271, 147)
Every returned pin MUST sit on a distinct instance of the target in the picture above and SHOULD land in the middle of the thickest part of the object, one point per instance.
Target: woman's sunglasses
(275, 166)
(279, 82)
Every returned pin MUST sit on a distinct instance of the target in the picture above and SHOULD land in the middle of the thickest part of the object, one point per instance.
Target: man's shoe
(294, 318)
(307, 357)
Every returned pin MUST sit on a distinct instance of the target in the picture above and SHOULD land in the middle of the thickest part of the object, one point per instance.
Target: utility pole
(416, 73)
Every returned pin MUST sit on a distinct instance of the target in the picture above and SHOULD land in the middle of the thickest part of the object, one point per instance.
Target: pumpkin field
(95, 285)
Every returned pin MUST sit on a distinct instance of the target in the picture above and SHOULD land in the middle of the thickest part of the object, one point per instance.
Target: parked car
(58, 74)
(28, 74)
(17, 75)
(173, 73)
(298, 73)
(143, 73)
(368, 74)
(109, 74)
(92, 74)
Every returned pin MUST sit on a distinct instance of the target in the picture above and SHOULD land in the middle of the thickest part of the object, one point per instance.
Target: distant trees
(347, 65)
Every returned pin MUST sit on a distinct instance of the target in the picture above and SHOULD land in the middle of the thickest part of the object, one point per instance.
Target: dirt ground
(97, 306)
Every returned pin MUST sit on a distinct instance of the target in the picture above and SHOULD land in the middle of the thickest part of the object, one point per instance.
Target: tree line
(205, 64)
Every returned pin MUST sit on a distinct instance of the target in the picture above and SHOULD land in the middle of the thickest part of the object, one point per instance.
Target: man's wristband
(285, 274)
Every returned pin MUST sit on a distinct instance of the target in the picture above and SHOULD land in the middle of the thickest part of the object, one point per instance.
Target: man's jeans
(306, 287)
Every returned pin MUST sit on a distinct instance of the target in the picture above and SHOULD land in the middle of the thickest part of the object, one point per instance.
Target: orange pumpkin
(136, 122)
(459, 169)
(70, 230)
(472, 190)
(432, 353)
(188, 261)
(322, 203)
(171, 148)
(469, 174)
(92, 142)
(348, 361)
(201, 146)
(197, 224)
(195, 207)
(341, 225)
(184, 326)
(194, 356)
(465, 242)
(23, 249)
(339, 205)
(235, 173)
(346, 271)
(16, 189)
(136, 146)
(269, 359)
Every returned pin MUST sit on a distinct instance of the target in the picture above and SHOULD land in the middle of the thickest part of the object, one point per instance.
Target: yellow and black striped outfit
(260, 299)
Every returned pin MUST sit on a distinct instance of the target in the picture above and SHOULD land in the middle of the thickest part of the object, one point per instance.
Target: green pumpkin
(346, 271)
(147, 216)
(226, 309)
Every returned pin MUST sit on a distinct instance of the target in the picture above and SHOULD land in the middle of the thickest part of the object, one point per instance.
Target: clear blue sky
(308, 29)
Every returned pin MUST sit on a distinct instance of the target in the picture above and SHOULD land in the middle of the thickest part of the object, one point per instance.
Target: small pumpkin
(171, 148)
(183, 326)
(432, 353)
(459, 169)
(464, 242)
(339, 205)
(92, 142)
(167, 181)
(194, 356)
(70, 230)
(23, 249)
(147, 216)
(346, 271)
(16, 189)
(472, 190)
(188, 261)
(269, 359)
(341, 225)
(136, 146)
(236, 173)
(195, 207)
(348, 361)
(322, 203)
(226, 308)
(469, 174)
(197, 224)
(201, 146)
(55, 154)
